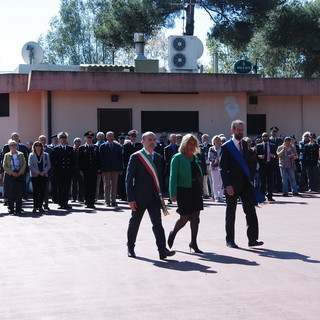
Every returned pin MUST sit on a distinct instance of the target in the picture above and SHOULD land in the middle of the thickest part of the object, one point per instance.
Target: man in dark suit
(89, 164)
(235, 175)
(111, 168)
(277, 180)
(63, 161)
(129, 148)
(267, 158)
(169, 152)
(143, 195)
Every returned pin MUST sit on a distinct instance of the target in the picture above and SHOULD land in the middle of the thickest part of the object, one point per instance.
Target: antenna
(32, 53)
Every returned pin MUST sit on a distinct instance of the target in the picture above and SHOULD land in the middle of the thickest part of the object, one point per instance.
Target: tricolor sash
(150, 166)
(259, 197)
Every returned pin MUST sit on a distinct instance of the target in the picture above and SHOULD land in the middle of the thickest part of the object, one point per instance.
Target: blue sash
(259, 197)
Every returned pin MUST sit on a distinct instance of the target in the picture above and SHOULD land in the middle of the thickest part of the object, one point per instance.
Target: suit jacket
(111, 158)
(63, 161)
(139, 182)
(33, 164)
(7, 160)
(89, 158)
(20, 147)
(231, 172)
(169, 152)
(128, 150)
(261, 151)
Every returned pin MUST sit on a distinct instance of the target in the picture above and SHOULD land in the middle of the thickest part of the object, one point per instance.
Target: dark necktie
(240, 147)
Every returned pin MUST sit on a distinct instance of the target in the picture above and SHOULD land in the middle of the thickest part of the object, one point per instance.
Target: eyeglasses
(265, 136)
(38, 145)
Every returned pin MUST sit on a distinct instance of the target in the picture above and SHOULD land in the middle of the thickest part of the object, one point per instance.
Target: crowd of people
(182, 168)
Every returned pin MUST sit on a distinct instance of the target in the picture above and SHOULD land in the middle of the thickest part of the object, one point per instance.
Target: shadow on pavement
(284, 255)
(178, 265)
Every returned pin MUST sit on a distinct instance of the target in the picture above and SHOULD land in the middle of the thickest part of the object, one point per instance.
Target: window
(170, 121)
(253, 100)
(4, 105)
(256, 124)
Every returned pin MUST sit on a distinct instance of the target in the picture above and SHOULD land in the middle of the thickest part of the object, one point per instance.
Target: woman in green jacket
(185, 186)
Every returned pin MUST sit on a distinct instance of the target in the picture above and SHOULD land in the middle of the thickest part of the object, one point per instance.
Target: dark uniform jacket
(63, 161)
(89, 158)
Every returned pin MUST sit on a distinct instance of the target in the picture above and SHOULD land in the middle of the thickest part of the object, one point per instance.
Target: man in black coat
(89, 164)
(129, 148)
(63, 161)
(143, 195)
(267, 158)
(236, 180)
(169, 152)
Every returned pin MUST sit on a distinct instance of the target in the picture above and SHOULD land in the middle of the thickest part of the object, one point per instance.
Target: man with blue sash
(143, 185)
(236, 180)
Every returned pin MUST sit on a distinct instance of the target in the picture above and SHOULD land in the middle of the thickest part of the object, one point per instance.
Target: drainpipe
(49, 110)
(302, 118)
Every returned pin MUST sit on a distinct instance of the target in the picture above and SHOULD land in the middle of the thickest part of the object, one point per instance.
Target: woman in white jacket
(39, 165)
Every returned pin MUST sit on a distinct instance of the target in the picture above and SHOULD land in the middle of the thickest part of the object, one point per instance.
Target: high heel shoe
(195, 248)
(171, 237)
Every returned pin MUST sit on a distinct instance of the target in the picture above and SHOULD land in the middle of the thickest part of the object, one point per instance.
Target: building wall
(25, 117)
(76, 112)
(291, 114)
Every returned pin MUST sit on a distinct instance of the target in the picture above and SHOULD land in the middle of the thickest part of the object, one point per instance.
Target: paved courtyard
(73, 266)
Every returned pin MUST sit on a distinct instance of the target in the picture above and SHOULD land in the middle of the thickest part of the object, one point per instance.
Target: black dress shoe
(231, 244)
(131, 253)
(255, 243)
(166, 253)
(271, 199)
(114, 204)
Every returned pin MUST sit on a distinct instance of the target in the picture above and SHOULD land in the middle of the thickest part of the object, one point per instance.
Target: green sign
(242, 66)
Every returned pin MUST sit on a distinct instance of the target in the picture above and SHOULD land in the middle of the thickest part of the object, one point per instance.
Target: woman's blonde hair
(185, 139)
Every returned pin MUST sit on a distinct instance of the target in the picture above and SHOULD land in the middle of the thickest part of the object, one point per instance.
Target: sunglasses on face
(37, 145)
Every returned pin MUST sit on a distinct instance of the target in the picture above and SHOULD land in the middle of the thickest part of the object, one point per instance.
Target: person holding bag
(14, 166)
(39, 165)
(185, 187)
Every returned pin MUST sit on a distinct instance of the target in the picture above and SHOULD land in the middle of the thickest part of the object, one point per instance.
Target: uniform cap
(133, 133)
(89, 134)
(63, 134)
(274, 128)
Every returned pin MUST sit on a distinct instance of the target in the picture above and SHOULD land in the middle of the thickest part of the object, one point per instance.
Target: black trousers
(39, 187)
(154, 210)
(248, 205)
(89, 181)
(266, 172)
(63, 188)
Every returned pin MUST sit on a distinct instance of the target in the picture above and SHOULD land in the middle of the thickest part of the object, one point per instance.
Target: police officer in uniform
(63, 160)
(89, 162)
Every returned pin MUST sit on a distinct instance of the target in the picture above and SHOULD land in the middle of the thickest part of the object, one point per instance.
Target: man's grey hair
(148, 133)
(234, 123)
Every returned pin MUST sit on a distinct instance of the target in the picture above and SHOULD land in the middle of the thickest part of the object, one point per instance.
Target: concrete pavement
(73, 266)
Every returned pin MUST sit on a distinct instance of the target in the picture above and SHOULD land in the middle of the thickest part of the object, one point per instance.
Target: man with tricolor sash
(143, 186)
(235, 175)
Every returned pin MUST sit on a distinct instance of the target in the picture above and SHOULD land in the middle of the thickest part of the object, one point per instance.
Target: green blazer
(7, 160)
(180, 173)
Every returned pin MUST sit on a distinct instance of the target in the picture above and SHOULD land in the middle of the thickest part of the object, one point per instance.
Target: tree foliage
(282, 35)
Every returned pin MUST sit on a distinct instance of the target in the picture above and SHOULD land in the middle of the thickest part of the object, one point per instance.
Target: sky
(22, 21)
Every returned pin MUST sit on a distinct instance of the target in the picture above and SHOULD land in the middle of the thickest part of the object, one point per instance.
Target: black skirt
(190, 199)
(14, 187)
